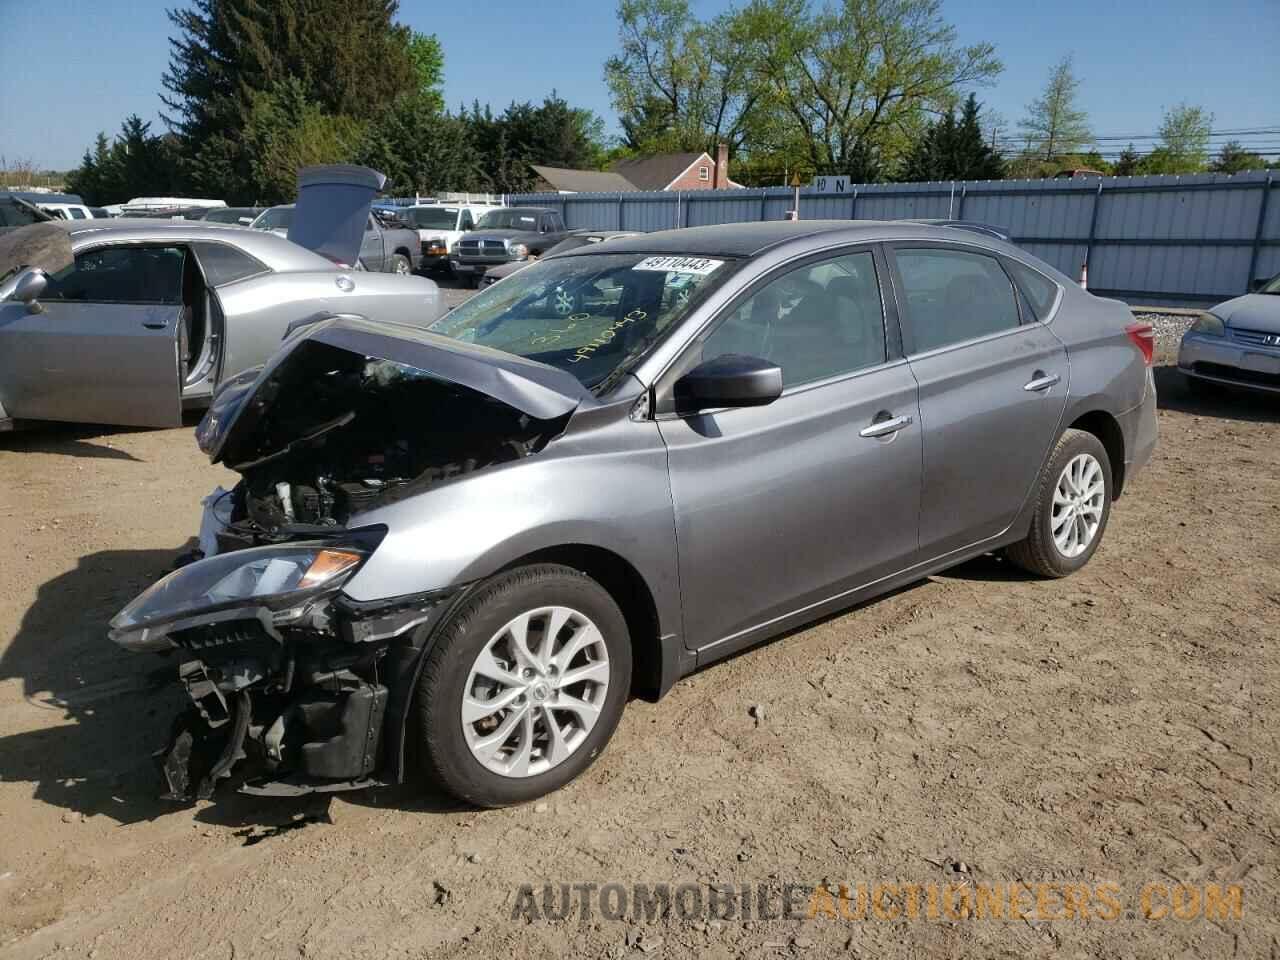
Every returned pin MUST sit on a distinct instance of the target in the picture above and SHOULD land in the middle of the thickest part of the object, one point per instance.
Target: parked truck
(385, 249)
(507, 235)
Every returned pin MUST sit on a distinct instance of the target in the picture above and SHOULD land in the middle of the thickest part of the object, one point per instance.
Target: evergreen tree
(1233, 158)
(1055, 124)
(1128, 164)
(951, 149)
(347, 56)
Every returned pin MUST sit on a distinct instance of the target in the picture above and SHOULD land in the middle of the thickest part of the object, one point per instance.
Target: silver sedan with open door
(129, 321)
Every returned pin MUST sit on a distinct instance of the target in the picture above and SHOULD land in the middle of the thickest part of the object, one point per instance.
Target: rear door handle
(1041, 382)
(882, 428)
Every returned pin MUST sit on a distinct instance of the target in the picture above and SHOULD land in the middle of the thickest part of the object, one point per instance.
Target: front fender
(604, 487)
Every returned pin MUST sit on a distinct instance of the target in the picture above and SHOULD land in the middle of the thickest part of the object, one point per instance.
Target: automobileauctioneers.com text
(881, 901)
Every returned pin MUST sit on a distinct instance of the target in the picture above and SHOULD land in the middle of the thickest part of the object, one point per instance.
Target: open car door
(101, 344)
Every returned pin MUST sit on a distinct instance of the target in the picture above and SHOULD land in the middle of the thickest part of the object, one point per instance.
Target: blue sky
(89, 63)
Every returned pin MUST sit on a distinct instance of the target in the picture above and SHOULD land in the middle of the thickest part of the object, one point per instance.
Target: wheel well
(1104, 426)
(404, 252)
(633, 597)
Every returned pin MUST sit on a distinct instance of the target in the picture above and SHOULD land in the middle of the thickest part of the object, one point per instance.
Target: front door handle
(1042, 381)
(882, 428)
(155, 326)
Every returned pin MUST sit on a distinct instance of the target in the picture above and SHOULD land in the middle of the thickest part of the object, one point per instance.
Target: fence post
(1257, 234)
(1093, 222)
(685, 223)
(853, 205)
(564, 210)
(964, 189)
(764, 203)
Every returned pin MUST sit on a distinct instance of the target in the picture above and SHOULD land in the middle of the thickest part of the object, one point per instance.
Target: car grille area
(482, 248)
(1237, 374)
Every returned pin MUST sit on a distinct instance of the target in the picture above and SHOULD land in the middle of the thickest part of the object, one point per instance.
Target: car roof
(279, 254)
(749, 239)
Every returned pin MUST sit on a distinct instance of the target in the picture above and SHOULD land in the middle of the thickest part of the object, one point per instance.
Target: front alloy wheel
(535, 692)
(1077, 505)
(523, 685)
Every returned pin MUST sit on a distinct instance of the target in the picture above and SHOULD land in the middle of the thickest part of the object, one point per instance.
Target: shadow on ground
(106, 711)
(1175, 393)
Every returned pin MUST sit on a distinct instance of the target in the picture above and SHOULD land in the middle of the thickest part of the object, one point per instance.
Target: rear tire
(1071, 508)
(476, 661)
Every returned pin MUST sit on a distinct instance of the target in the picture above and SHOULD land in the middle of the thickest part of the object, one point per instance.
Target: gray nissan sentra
(471, 544)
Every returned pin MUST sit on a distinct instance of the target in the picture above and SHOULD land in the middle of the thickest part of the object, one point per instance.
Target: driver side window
(121, 275)
(817, 321)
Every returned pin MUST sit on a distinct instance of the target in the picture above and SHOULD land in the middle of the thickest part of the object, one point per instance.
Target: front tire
(524, 686)
(400, 264)
(1072, 506)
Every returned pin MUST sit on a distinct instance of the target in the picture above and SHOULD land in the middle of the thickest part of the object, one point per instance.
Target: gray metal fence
(1165, 239)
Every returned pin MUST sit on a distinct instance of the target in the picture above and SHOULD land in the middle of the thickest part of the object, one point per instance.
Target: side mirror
(730, 380)
(1258, 284)
(244, 221)
(25, 287)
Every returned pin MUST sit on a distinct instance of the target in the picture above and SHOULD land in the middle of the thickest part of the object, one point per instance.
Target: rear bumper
(1226, 361)
(1140, 429)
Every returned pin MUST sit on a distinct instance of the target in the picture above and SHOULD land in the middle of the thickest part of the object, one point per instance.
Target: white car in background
(68, 211)
(440, 226)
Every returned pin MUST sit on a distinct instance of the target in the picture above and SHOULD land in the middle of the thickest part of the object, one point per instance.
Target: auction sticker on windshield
(699, 266)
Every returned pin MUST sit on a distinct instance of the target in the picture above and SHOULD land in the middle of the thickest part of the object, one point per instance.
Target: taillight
(1144, 338)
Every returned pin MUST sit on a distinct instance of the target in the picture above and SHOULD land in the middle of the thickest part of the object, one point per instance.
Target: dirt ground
(1116, 727)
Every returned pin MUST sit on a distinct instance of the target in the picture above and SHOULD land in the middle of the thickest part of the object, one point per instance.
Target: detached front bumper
(1229, 361)
(314, 708)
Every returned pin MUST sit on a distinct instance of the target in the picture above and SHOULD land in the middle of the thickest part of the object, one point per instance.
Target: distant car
(383, 249)
(1236, 343)
(240, 216)
(441, 226)
(100, 213)
(578, 239)
(128, 322)
(472, 545)
(68, 211)
(505, 235)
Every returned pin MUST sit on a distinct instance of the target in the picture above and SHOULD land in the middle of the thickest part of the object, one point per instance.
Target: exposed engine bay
(307, 686)
(345, 433)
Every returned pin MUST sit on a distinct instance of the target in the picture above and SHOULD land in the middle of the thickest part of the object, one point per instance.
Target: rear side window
(1037, 289)
(950, 296)
(223, 263)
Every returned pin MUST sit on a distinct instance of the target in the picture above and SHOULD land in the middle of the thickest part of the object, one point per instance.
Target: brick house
(660, 171)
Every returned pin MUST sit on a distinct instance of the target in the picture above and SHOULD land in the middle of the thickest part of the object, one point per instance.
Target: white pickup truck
(440, 226)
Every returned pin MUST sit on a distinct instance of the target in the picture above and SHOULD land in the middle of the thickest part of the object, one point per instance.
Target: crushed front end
(290, 683)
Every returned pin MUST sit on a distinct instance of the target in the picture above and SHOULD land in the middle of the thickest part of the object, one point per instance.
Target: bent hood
(1253, 311)
(536, 389)
(45, 246)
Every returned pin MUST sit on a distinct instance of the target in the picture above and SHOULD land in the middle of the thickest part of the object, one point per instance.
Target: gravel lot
(979, 727)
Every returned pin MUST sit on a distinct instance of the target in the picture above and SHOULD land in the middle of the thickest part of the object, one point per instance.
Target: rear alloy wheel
(1073, 504)
(400, 264)
(524, 686)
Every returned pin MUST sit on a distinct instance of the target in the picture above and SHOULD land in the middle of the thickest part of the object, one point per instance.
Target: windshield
(1272, 285)
(42, 245)
(228, 214)
(277, 218)
(509, 220)
(432, 218)
(592, 315)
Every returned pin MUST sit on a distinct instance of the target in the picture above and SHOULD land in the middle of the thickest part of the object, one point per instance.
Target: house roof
(584, 181)
(656, 172)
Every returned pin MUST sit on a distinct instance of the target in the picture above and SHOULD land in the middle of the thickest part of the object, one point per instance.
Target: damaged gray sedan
(471, 544)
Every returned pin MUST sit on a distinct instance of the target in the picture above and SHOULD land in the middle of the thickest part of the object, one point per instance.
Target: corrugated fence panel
(1160, 239)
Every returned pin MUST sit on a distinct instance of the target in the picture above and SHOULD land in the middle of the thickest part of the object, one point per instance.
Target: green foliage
(951, 149)
(551, 133)
(1128, 164)
(421, 150)
(1233, 158)
(286, 131)
(852, 82)
(427, 56)
(344, 58)
(1055, 125)
(135, 163)
(1184, 141)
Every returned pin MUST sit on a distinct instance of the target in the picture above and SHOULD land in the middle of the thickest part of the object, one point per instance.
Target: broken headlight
(280, 578)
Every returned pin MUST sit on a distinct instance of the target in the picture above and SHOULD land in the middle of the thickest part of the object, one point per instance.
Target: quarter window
(1036, 288)
(817, 321)
(223, 263)
(951, 296)
(121, 275)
